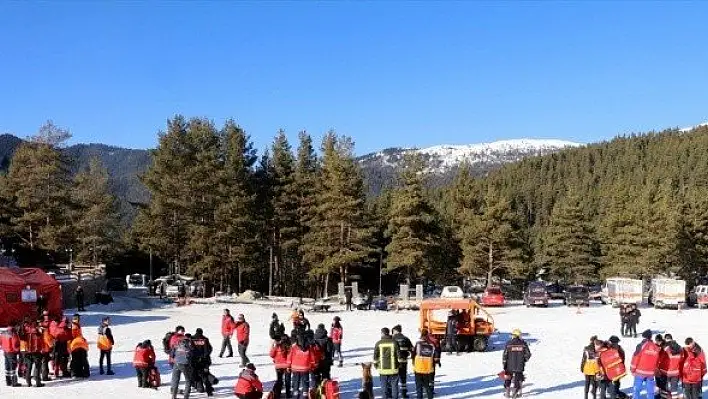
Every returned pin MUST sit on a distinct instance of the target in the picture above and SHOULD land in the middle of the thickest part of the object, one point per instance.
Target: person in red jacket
(248, 385)
(34, 346)
(336, 332)
(279, 352)
(143, 361)
(227, 331)
(174, 340)
(692, 370)
(645, 365)
(10, 343)
(243, 336)
(302, 362)
(61, 331)
(670, 365)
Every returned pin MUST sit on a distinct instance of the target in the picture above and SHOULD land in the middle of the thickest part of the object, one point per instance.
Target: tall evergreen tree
(339, 236)
(306, 182)
(491, 239)
(662, 230)
(570, 248)
(622, 237)
(97, 233)
(411, 224)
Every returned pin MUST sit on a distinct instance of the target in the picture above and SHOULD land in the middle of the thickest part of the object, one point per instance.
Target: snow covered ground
(556, 336)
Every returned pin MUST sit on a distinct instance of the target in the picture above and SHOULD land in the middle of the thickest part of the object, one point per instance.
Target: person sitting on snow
(249, 386)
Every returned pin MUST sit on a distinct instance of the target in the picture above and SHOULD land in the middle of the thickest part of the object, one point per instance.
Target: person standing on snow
(610, 369)
(322, 340)
(624, 319)
(451, 333)
(279, 352)
(693, 370)
(670, 365)
(301, 361)
(386, 362)
(336, 333)
(348, 299)
(424, 356)
(644, 365)
(48, 344)
(633, 315)
(79, 295)
(227, 331)
(516, 355)
(32, 352)
(274, 331)
(589, 367)
(614, 344)
(105, 345)
(201, 361)
(243, 337)
(182, 354)
(141, 360)
(175, 338)
(404, 350)
(659, 379)
(10, 343)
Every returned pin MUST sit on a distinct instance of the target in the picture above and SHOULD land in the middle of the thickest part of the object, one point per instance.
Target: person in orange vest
(61, 331)
(76, 326)
(610, 368)
(248, 385)
(105, 345)
(693, 369)
(279, 352)
(10, 343)
(243, 336)
(425, 357)
(589, 368)
(644, 365)
(32, 353)
(78, 347)
(48, 344)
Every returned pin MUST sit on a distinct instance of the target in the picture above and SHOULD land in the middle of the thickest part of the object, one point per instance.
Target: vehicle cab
(493, 296)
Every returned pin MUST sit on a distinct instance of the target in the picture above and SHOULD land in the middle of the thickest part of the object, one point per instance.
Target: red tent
(13, 281)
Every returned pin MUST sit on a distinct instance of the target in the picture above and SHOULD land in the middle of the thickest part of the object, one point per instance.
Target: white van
(452, 292)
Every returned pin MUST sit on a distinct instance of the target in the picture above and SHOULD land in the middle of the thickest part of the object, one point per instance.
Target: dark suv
(535, 294)
(577, 295)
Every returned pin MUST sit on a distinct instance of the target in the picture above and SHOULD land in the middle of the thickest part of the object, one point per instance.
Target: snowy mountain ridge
(443, 157)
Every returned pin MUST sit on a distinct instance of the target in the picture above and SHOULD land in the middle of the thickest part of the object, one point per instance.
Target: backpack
(166, 342)
(154, 378)
(329, 389)
(183, 352)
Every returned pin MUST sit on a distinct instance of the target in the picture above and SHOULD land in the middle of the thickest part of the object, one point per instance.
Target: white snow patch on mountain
(688, 129)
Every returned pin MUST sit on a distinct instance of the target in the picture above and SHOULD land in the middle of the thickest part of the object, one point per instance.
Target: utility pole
(150, 263)
(380, 269)
(270, 273)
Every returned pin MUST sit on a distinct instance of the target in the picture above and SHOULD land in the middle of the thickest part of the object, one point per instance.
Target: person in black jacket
(673, 349)
(104, 329)
(451, 333)
(516, 354)
(323, 340)
(201, 360)
(274, 331)
(79, 294)
(589, 368)
(633, 315)
(348, 299)
(614, 343)
(404, 351)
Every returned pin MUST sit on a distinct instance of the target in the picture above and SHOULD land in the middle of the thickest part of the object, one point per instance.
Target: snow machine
(475, 323)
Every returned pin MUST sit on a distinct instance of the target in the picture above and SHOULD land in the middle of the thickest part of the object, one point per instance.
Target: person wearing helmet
(516, 354)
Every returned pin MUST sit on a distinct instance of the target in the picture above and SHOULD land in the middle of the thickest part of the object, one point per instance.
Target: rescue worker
(644, 365)
(32, 354)
(438, 352)
(172, 344)
(301, 361)
(249, 386)
(610, 369)
(79, 295)
(301, 322)
(10, 343)
(659, 380)
(317, 355)
(424, 357)
(326, 346)
(201, 361)
(693, 370)
(336, 332)
(243, 336)
(182, 354)
(670, 365)
(141, 362)
(227, 331)
(589, 368)
(614, 344)
(386, 362)
(78, 347)
(76, 326)
(451, 333)
(404, 350)
(516, 354)
(47, 344)
(279, 352)
(105, 345)
(61, 332)
(275, 329)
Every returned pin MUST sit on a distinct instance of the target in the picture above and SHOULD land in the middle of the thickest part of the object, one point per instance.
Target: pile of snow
(556, 336)
(250, 295)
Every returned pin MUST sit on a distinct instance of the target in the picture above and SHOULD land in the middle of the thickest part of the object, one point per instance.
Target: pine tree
(97, 232)
(286, 223)
(239, 228)
(491, 239)
(339, 235)
(661, 220)
(622, 237)
(570, 248)
(40, 183)
(411, 224)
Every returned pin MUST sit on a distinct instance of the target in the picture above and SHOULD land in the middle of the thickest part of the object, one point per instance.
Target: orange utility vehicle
(474, 324)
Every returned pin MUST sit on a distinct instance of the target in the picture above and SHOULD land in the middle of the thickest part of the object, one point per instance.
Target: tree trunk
(325, 291)
(490, 270)
(240, 279)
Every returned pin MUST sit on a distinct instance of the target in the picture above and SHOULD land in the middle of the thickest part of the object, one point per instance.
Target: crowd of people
(629, 319)
(33, 348)
(660, 367)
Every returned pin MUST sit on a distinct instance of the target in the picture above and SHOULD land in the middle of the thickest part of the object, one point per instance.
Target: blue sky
(386, 73)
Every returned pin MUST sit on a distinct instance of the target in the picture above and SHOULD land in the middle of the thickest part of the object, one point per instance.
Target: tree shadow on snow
(498, 340)
(117, 319)
(557, 388)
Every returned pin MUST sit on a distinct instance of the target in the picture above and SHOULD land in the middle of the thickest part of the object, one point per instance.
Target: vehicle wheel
(480, 343)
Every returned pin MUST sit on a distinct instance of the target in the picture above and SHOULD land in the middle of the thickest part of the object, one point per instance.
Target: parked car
(493, 296)
(452, 292)
(535, 294)
(698, 297)
(555, 291)
(577, 295)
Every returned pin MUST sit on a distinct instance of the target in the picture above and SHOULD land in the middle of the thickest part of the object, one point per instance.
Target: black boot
(8, 380)
(14, 382)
